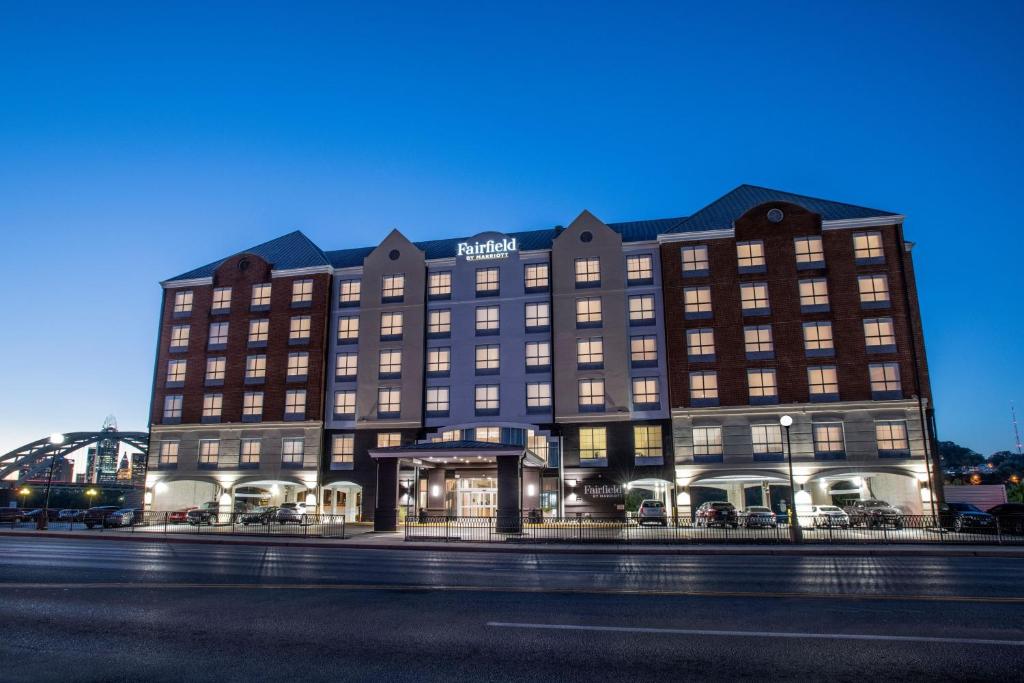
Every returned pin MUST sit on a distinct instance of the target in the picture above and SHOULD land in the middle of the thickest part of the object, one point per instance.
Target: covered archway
(904, 488)
(181, 493)
(742, 489)
(249, 493)
(342, 498)
(640, 490)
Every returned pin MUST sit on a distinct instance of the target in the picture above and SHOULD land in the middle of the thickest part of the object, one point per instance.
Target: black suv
(873, 514)
(965, 517)
(718, 513)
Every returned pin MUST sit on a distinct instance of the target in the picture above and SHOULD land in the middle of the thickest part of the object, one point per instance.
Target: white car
(651, 511)
(291, 513)
(829, 516)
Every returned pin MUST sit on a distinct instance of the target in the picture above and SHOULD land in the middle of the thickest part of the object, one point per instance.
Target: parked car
(1010, 517)
(829, 516)
(125, 517)
(52, 515)
(651, 511)
(291, 513)
(71, 515)
(759, 516)
(261, 515)
(965, 517)
(12, 515)
(179, 516)
(717, 514)
(207, 513)
(97, 516)
(874, 513)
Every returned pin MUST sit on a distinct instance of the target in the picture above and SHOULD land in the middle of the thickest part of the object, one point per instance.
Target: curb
(816, 551)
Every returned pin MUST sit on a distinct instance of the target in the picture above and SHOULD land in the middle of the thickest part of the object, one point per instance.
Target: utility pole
(1016, 432)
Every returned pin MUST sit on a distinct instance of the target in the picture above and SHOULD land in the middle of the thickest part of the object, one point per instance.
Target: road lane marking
(758, 634)
(1012, 600)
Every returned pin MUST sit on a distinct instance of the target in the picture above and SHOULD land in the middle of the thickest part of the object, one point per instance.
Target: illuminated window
(538, 395)
(212, 405)
(255, 367)
(298, 365)
(252, 404)
(641, 309)
(343, 449)
(172, 406)
(593, 444)
(486, 281)
(538, 443)
(298, 329)
(867, 247)
(437, 400)
(590, 352)
(700, 344)
(221, 299)
(215, 369)
(302, 292)
(440, 285)
(695, 260)
(647, 441)
(345, 403)
(643, 350)
(809, 252)
(348, 328)
(754, 297)
(536, 276)
(349, 292)
(588, 272)
(818, 338)
(392, 287)
(346, 365)
(487, 320)
(487, 358)
(874, 290)
(295, 402)
(183, 302)
(891, 436)
(639, 269)
(293, 450)
(488, 434)
(757, 341)
(218, 335)
(538, 355)
(766, 439)
(750, 255)
(486, 397)
(169, 453)
(439, 360)
(389, 401)
(828, 440)
(176, 371)
(538, 316)
(590, 394)
(707, 442)
(179, 337)
(260, 296)
(391, 325)
(390, 363)
(822, 380)
(259, 331)
(645, 392)
(588, 312)
(885, 378)
(389, 439)
(249, 451)
(697, 302)
(814, 294)
(761, 384)
(439, 323)
(209, 451)
(704, 386)
(879, 334)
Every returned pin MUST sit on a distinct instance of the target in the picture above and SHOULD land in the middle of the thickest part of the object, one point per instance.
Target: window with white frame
(345, 402)
(588, 311)
(169, 452)
(536, 276)
(590, 351)
(538, 354)
(538, 395)
(488, 434)
(392, 287)
(814, 292)
(302, 291)
(255, 367)
(389, 439)
(696, 300)
(828, 438)
(295, 402)
(707, 442)
(259, 331)
(766, 439)
(437, 399)
(761, 383)
(593, 444)
(348, 328)
(695, 259)
(891, 436)
(588, 271)
(868, 246)
(643, 349)
(538, 316)
(391, 325)
(590, 393)
(700, 342)
(439, 360)
(647, 441)
(209, 451)
(440, 284)
(389, 401)
(298, 328)
(343, 448)
(293, 450)
(179, 336)
(260, 296)
(298, 364)
(218, 334)
(183, 302)
(252, 403)
(486, 397)
(754, 296)
(215, 368)
(439, 322)
(487, 358)
(879, 332)
(639, 268)
(487, 280)
(390, 362)
(874, 289)
(172, 406)
(249, 451)
(704, 385)
(808, 250)
(222, 299)
(641, 308)
(818, 336)
(212, 405)
(176, 371)
(645, 391)
(758, 339)
(346, 365)
(750, 254)
(885, 377)
(349, 291)
(487, 319)
(822, 380)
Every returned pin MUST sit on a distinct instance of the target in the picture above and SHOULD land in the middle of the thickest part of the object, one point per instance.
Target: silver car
(651, 511)
(759, 516)
(829, 516)
(291, 513)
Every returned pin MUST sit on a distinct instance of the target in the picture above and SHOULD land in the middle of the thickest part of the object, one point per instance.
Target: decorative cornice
(193, 282)
(310, 270)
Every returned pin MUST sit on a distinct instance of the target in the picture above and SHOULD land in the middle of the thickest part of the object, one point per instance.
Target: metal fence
(686, 529)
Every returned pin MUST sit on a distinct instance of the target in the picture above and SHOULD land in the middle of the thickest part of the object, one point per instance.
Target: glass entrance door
(477, 498)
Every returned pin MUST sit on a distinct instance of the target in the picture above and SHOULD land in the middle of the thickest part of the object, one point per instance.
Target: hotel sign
(491, 249)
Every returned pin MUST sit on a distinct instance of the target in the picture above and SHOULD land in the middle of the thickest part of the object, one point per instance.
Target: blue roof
(293, 250)
(723, 211)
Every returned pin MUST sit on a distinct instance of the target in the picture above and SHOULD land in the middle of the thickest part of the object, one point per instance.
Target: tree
(1008, 464)
(955, 456)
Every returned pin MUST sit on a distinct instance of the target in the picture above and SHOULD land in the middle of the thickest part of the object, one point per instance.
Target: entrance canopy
(457, 453)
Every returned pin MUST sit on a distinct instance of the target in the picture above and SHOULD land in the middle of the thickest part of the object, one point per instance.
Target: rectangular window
(259, 332)
(486, 398)
(757, 341)
(343, 449)
(390, 365)
(536, 276)
(212, 405)
(345, 403)
(487, 281)
(766, 440)
(176, 371)
(209, 451)
(809, 252)
(639, 269)
(818, 339)
(346, 365)
(349, 292)
(761, 384)
(295, 402)
(538, 395)
(298, 365)
(172, 407)
(538, 443)
(389, 402)
(487, 359)
(169, 453)
(643, 350)
(255, 368)
(487, 320)
(697, 302)
(593, 445)
(183, 302)
(700, 344)
(260, 297)
(641, 309)
(215, 369)
(439, 360)
(588, 312)
(538, 317)
(348, 328)
(302, 292)
(590, 352)
(885, 380)
(750, 255)
(392, 287)
(391, 325)
(252, 404)
(867, 247)
(874, 290)
(695, 260)
(704, 387)
(590, 394)
(440, 285)
(828, 440)
(488, 434)
(538, 355)
(814, 295)
(221, 299)
(879, 334)
(249, 451)
(891, 437)
(822, 381)
(293, 450)
(707, 444)
(437, 400)
(645, 393)
(179, 337)
(298, 329)
(754, 298)
(439, 323)
(218, 335)
(588, 272)
(647, 443)
(389, 439)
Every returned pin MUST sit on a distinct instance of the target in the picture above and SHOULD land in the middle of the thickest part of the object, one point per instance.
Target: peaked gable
(293, 250)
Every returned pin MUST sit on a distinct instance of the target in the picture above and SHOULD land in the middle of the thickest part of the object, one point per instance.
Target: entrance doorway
(477, 497)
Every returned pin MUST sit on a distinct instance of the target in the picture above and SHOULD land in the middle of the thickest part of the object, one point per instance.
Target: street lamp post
(92, 496)
(42, 522)
(795, 533)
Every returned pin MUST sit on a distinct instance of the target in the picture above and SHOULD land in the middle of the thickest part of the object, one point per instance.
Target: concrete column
(385, 514)
(436, 492)
(510, 508)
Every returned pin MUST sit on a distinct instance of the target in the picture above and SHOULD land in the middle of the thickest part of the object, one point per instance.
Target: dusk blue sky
(137, 142)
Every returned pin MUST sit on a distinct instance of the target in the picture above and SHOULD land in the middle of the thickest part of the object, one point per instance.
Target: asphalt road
(81, 610)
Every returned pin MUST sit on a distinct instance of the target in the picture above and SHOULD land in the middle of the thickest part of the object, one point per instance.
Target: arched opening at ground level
(266, 493)
(639, 490)
(182, 494)
(342, 498)
(742, 490)
(900, 488)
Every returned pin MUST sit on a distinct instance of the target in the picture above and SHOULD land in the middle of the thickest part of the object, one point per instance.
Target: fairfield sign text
(491, 249)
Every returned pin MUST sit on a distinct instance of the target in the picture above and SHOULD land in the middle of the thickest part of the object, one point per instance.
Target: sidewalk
(395, 541)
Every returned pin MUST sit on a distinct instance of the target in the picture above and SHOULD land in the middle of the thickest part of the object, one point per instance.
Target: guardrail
(687, 529)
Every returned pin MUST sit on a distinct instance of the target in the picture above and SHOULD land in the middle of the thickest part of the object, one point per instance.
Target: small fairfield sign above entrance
(491, 249)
